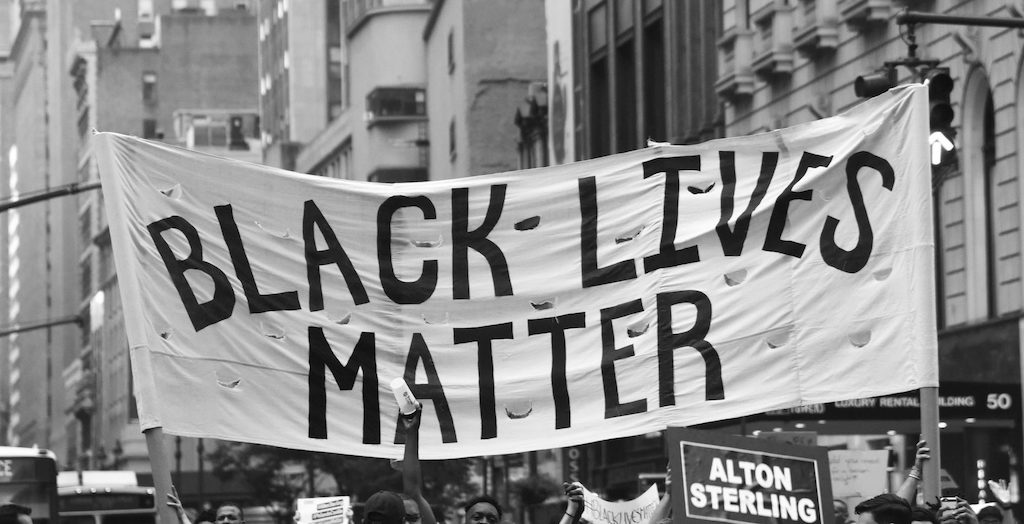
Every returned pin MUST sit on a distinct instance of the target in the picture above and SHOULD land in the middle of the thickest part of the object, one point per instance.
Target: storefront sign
(956, 400)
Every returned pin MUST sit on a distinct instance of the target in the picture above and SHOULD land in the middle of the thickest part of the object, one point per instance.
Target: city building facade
(180, 71)
(783, 63)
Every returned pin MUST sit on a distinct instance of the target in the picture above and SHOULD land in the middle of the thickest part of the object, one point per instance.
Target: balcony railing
(735, 57)
(816, 26)
(774, 53)
(861, 12)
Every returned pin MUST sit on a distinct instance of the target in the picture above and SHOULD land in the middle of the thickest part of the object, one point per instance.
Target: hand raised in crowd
(923, 453)
(1000, 491)
(908, 490)
(174, 502)
(573, 492)
(961, 514)
(411, 422)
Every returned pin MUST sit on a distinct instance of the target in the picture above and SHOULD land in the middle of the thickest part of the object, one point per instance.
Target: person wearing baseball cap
(384, 507)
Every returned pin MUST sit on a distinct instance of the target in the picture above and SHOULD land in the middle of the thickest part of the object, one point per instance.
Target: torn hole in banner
(699, 190)
(341, 320)
(735, 278)
(638, 328)
(527, 224)
(272, 330)
(227, 379)
(544, 304)
(630, 235)
(286, 233)
(882, 274)
(437, 319)
(427, 242)
(778, 338)
(166, 332)
(518, 409)
(174, 192)
(860, 338)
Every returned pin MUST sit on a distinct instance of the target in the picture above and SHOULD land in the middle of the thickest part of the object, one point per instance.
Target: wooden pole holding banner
(161, 474)
(931, 487)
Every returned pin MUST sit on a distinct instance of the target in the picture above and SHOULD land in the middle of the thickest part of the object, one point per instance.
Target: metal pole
(43, 324)
(917, 17)
(161, 473)
(60, 191)
(931, 488)
(177, 460)
(200, 450)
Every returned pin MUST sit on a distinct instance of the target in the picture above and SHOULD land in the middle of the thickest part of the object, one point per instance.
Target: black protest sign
(722, 478)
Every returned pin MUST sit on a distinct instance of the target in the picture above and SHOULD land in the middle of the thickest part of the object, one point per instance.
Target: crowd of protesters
(410, 506)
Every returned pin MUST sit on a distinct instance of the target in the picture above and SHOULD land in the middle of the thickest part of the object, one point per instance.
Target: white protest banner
(323, 510)
(858, 474)
(672, 285)
(637, 511)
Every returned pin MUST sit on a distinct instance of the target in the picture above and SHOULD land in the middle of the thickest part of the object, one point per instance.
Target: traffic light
(940, 116)
(867, 86)
(236, 134)
(940, 85)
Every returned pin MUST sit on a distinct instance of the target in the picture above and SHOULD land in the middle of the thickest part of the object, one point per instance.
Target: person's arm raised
(908, 490)
(412, 477)
(574, 507)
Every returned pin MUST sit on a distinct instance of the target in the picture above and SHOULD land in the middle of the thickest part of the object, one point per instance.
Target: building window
(335, 96)
(988, 159)
(625, 95)
(451, 139)
(145, 10)
(85, 273)
(149, 128)
(149, 88)
(655, 120)
(451, 51)
(85, 227)
(396, 102)
(207, 132)
(83, 122)
(600, 110)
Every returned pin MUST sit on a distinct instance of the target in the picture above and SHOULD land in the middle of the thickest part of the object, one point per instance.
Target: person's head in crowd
(206, 516)
(384, 507)
(923, 515)
(229, 513)
(412, 510)
(483, 509)
(883, 509)
(15, 514)
(841, 511)
(990, 515)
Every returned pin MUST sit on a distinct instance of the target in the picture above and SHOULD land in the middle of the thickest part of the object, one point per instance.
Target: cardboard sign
(637, 511)
(858, 475)
(323, 510)
(740, 480)
(672, 285)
